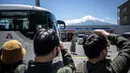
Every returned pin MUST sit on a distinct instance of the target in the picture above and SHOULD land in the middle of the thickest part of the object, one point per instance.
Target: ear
(54, 51)
(101, 53)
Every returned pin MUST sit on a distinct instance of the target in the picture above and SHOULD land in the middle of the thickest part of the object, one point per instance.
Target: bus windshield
(27, 22)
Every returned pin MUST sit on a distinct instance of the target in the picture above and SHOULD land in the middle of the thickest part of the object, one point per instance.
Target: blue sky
(76, 9)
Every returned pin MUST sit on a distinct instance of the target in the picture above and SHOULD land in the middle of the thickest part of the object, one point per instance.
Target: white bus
(20, 22)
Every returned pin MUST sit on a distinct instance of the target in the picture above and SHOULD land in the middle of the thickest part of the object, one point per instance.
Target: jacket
(120, 64)
(48, 67)
(8, 68)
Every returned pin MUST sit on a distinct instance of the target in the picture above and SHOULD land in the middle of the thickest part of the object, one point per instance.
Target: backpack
(57, 63)
(21, 68)
(101, 66)
(81, 68)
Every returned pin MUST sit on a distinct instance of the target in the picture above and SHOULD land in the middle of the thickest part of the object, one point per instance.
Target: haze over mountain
(88, 20)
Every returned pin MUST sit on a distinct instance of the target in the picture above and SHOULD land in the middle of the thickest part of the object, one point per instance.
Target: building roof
(124, 4)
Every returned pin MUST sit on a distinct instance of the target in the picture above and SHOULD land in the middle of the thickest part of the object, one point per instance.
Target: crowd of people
(47, 46)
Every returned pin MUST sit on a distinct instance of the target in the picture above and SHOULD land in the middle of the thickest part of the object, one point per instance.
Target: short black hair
(45, 41)
(93, 45)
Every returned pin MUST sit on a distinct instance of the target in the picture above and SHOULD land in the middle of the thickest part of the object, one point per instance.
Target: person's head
(46, 42)
(95, 46)
(12, 52)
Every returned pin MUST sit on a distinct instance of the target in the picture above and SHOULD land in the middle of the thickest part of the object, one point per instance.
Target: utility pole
(38, 3)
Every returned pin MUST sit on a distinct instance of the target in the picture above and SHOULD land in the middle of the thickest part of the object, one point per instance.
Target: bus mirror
(62, 26)
(60, 22)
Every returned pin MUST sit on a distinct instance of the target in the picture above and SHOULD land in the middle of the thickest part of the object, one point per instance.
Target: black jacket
(8, 68)
(48, 67)
(120, 64)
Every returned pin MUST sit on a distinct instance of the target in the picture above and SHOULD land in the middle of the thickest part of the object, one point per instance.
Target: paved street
(112, 52)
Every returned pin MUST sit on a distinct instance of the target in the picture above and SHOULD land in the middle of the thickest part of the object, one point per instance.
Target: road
(112, 52)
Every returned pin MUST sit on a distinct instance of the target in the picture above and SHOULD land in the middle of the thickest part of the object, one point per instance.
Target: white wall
(119, 29)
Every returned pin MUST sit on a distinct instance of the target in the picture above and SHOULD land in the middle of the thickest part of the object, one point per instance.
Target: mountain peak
(86, 20)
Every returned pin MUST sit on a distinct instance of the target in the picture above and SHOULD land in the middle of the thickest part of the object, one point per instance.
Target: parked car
(80, 38)
(126, 35)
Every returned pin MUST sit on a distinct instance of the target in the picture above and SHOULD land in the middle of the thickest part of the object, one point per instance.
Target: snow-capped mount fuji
(87, 20)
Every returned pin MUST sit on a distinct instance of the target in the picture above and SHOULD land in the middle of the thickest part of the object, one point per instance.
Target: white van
(80, 38)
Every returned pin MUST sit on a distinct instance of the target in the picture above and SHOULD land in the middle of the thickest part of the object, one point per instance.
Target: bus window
(27, 22)
(4, 24)
(43, 18)
(13, 20)
(2, 27)
(39, 26)
(11, 26)
(49, 22)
